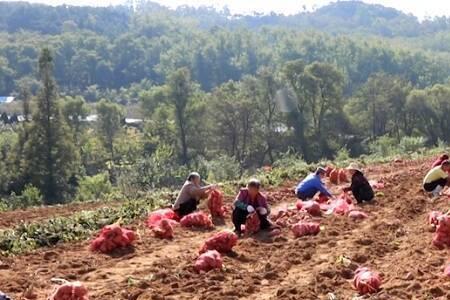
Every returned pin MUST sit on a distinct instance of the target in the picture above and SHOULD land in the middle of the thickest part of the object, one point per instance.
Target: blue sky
(420, 8)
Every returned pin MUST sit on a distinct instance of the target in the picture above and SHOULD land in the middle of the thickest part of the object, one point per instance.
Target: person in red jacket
(248, 201)
(440, 160)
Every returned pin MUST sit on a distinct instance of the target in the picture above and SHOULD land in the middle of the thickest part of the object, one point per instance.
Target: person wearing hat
(312, 185)
(190, 195)
(440, 160)
(360, 186)
(249, 200)
(437, 178)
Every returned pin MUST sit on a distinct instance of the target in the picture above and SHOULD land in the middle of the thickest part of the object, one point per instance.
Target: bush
(8, 172)
(158, 170)
(223, 168)
(30, 196)
(94, 187)
(3, 205)
(384, 146)
(411, 144)
(288, 167)
(342, 156)
(93, 154)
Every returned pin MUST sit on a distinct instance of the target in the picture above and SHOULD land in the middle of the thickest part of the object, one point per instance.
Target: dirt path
(394, 240)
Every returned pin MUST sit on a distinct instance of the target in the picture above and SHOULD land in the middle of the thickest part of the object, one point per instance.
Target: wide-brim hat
(354, 166)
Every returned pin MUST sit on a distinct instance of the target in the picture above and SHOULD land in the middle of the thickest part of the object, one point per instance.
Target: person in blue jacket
(312, 185)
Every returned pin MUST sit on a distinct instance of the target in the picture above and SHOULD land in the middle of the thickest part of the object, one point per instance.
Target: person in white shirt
(437, 178)
(190, 195)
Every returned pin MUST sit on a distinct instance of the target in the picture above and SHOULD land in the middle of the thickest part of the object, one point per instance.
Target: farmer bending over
(248, 201)
(437, 178)
(360, 186)
(311, 185)
(190, 195)
(440, 160)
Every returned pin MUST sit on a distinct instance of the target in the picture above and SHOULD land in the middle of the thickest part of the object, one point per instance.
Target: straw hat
(354, 166)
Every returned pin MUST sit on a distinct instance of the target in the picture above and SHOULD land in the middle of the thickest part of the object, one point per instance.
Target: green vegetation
(79, 226)
(219, 94)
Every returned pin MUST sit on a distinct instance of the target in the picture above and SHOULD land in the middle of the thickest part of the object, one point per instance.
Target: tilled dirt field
(395, 240)
(36, 214)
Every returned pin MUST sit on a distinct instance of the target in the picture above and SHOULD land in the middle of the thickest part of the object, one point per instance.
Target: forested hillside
(112, 48)
(220, 93)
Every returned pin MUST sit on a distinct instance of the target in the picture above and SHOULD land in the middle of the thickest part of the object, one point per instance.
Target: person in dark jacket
(248, 201)
(360, 186)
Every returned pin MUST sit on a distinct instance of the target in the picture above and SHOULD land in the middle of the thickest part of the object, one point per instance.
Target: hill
(338, 17)
(114, 47)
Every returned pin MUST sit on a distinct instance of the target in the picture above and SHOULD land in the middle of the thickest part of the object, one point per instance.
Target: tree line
(241, 125)
(223, 100)
(105, 52)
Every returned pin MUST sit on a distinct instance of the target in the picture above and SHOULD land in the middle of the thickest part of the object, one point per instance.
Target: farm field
(15, 217)
(395, 240)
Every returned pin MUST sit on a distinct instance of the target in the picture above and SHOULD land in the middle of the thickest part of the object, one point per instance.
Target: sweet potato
(70, 291)
(366, 281)
(357, 215)
(207, 261)
(164, 230)
(215, 204)
(197, 219)
(252, 224)
(160, 214)
(223, 242)
(312, 207)
(112, 237)
(447, 270)
(303, 228)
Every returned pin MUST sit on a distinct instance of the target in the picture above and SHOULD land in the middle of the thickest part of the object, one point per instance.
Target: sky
(420, 8)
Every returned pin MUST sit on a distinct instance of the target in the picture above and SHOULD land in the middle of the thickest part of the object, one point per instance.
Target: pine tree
(50, 159)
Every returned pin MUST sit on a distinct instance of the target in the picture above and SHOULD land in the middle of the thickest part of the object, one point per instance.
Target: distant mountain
(338, 17)
(17, 16)
(359, 16)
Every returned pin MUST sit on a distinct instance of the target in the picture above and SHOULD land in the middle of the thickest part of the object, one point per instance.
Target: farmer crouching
(190, 195)
(360, 186)
(312, 185)
(437, 178)
(248, 201)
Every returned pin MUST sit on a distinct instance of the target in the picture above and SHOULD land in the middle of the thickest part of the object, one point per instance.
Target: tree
(25, 96)
(263, 89)
(74, 111)
(297, 81)
(380, 111)
(151, 99)
(50, 159)
(325, 101)
(422, 115)
(439, 96)
(179, 96)
(233, 120)
(110, 117)
(6, 75)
